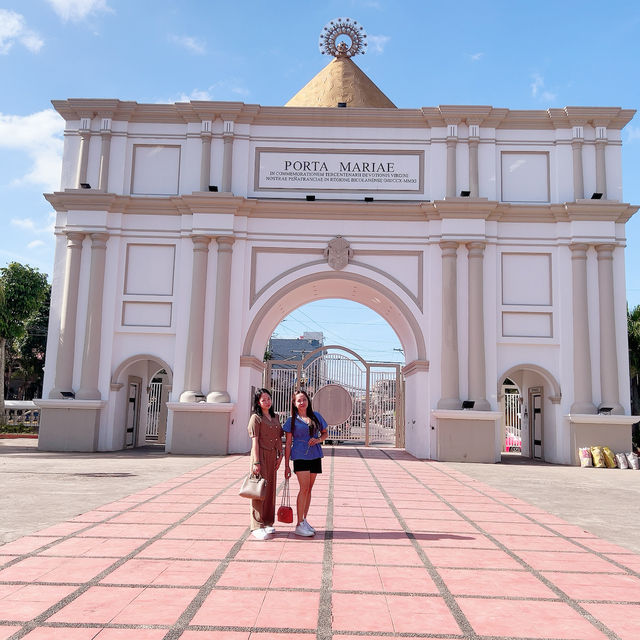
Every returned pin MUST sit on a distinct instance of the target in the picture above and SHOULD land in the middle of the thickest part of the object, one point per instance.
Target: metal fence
(153, 410)
(21, 412)
(375, 388)
(512, 418)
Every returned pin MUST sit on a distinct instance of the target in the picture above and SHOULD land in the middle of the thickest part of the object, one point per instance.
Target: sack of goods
(609, 458)
(598, 457)
(253, 487)
(621, 459)
(584, 453)
(632, 459)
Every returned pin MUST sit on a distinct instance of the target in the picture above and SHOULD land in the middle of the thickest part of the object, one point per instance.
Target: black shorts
(314, 466)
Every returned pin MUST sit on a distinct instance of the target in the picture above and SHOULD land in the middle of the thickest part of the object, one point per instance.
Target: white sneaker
(308, 526)
(270, 529)
(301, 530)
(259, 534)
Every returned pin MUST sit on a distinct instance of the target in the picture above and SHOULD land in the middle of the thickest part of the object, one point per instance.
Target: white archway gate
(376, 390)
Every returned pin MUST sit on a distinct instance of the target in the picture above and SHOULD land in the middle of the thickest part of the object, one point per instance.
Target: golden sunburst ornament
(351, 30)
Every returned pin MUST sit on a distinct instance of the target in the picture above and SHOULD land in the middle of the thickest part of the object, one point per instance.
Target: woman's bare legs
(312, 479)
(304, 494)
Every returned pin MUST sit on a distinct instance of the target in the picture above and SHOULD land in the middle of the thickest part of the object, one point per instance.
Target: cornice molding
(241, 113)
(419, 211)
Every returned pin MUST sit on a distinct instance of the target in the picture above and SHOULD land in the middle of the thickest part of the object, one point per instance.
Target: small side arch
(117, 383)
(541, 371)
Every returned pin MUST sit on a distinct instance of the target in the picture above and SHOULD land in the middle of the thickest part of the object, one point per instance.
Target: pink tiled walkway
(405, 548)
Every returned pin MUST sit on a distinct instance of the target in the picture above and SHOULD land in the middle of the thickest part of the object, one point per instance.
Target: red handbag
(285, 512)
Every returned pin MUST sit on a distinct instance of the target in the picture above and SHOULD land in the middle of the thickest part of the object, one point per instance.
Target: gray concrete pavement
(44, 488)
(605, 502)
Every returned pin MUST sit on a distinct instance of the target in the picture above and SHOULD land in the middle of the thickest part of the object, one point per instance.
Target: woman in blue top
(304, 430)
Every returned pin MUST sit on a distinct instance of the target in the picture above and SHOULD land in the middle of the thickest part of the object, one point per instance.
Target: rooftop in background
(295, 349)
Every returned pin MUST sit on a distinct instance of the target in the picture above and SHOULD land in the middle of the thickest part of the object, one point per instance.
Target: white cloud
(24, 223)
(377, 43)
(476, 56)
(537, 89)
(633, 133)
(14, 29)
(196, 94)
(76, 10)
(190, 44)
(537, 84)
(39, 136)
(46, 226)
(218, 91)
(35, 244)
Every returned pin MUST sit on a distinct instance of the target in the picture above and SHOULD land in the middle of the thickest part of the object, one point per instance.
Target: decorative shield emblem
(338, 252)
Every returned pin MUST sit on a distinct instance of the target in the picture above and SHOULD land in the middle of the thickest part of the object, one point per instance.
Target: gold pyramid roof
(340, 81)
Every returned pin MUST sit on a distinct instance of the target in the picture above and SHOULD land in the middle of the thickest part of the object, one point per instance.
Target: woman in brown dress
(266, 455)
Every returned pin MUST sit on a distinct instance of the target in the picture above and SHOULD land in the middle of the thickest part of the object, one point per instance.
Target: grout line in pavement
(564, 597)
(324, 629)
(447, 596)
(42, 617)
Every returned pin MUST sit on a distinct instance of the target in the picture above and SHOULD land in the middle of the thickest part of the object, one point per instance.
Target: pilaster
(220, 351)
(582, 400)
(93, 328)
(477, 371)
(193, 365)
(66, 341)
(450, 390)
(608, 350)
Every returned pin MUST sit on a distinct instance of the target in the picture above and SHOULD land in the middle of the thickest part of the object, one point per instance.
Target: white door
(536, 421)
(133, 412)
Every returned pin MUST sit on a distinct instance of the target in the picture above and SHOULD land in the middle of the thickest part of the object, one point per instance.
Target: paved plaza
(145, 546)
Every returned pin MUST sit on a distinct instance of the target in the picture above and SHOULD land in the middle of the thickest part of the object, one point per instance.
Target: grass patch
(18, 428)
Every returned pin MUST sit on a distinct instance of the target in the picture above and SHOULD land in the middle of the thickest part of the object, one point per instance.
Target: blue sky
(515, 54)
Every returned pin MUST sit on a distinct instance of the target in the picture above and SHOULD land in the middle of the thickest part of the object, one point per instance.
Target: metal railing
(21, 412)
(375, 388)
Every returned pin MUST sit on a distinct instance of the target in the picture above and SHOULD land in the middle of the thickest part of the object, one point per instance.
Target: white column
(582, 400)
(92, 337)
(610, 391)
(450, 391)
(474, 138)
(69, 310)
(220, 351)
(578, 173)
(105, 152)
(205, 160)
(193, 365)
(477, 365)
(227, 157)
(601, 169)
(83, 153)
(452, 141)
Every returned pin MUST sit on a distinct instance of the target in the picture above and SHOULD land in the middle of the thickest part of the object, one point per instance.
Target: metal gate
(153, 409)
(376, 390)
(512, 418)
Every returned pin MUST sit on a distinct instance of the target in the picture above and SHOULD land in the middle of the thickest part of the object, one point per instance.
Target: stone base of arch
(199, 428)
(69, 425)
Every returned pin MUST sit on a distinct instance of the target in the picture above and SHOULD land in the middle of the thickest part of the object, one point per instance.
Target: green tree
(22, 290)
(633, 331)
(25, 355)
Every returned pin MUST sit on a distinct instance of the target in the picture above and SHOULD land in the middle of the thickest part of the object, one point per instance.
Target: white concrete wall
(372, 267)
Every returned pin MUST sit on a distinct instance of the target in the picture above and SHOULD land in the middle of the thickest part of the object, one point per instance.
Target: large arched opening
(403, 316)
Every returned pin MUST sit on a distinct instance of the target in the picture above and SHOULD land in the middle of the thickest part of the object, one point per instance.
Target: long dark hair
(314, 426)
(257, 409)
